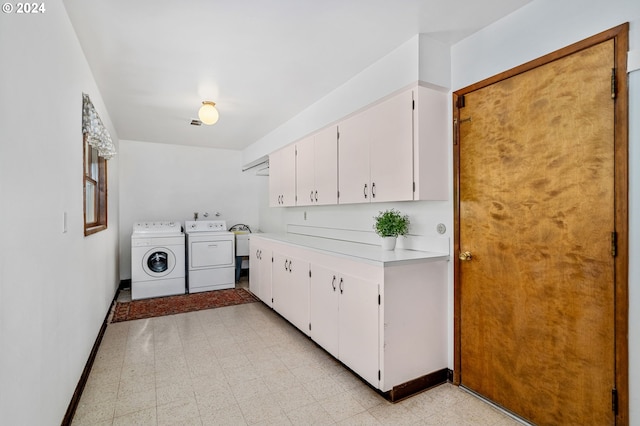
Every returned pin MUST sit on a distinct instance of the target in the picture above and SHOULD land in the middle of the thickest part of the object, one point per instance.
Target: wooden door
(536, 210)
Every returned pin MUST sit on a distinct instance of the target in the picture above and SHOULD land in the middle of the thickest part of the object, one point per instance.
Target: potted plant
(388, 225)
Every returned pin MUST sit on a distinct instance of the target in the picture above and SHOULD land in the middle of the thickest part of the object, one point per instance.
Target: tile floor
(245, 365)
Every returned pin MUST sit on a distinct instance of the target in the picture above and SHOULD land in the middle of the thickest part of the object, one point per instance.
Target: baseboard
(124, 284)
(414, 386)
(75, 399)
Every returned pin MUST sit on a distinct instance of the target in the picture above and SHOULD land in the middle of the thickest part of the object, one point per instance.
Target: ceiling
(261, 61)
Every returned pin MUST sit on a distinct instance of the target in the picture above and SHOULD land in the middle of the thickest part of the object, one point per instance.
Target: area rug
(169, 305)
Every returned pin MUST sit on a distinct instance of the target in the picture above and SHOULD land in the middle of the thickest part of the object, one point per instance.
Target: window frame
(100, 188)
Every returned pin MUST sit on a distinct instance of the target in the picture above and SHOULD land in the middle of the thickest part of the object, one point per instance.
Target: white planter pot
(389, 243)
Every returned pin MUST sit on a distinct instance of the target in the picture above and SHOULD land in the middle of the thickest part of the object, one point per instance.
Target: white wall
(55, 287)
(398, 69)
(171, 182)
(542, 27)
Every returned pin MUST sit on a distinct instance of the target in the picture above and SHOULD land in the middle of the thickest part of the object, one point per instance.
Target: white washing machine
(210, 255)
(157, 260)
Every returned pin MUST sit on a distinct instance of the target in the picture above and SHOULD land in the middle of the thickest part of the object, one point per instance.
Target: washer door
(158, 262)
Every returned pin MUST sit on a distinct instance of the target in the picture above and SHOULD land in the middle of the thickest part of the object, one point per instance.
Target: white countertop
(366, 252)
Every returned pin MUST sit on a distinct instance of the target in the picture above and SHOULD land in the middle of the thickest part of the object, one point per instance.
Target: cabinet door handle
(341, 286)
(333, 283)
(311, 196)
(373, 190)
(365, 190)
(290, 263)
(286, 265)
(316, 196)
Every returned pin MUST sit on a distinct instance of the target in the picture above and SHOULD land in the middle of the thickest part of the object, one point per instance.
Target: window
(97, 148)
(95, 190)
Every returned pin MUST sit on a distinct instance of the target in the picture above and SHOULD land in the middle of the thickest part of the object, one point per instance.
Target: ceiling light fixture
(208, 113)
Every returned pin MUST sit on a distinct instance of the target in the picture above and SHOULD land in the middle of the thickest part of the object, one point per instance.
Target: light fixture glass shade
(208, 113)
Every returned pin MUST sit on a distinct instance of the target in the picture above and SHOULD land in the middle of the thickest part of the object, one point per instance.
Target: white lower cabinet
(384, 320)
(290, 288)
(260, 270)
(344, 319)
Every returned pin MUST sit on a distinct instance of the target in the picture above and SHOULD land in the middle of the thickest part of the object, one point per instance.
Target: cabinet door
(359, 341)
(391, 148)
(265, 275)
(288, 176)
(275, 171)
(305, 172)
(282, 177)
(326, 166)
(290, 287)
(323, 308)
(353, 160)
(254, 269)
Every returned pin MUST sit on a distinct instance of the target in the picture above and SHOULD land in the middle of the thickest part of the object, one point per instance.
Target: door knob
(464, 255)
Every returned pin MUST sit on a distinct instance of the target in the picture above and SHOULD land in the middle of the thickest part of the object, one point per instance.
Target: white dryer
(210, 255)
(157, 260)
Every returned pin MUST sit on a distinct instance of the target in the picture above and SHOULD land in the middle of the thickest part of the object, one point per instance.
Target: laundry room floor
(245, 365)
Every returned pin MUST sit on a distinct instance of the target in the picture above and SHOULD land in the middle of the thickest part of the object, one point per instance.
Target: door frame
(620, 35)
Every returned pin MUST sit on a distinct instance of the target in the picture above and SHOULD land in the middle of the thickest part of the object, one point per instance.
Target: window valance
(97, 135)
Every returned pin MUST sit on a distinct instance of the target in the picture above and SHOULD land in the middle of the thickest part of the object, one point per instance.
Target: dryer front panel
(211, 254)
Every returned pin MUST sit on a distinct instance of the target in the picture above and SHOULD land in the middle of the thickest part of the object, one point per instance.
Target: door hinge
(378, 299)
(413, 104)
(614, 88)
(309, 273)
(379, 375)
(338, 194)
(614, 244)
(460, 102)
(414, 187)
(309, 326)
(614, 401)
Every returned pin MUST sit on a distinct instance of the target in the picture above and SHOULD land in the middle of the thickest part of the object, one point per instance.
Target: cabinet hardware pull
(290, 263)
(316, 196)
(286, 266)
(311, 196)
(341, 287)
(333, 283)
(373, 190)
(365, 190)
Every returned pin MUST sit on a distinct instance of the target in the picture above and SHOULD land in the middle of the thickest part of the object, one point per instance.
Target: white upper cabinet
(394, 150)
(353, 164)
(430, 156)
(282, 177)
(317, 168)
(376, 152)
